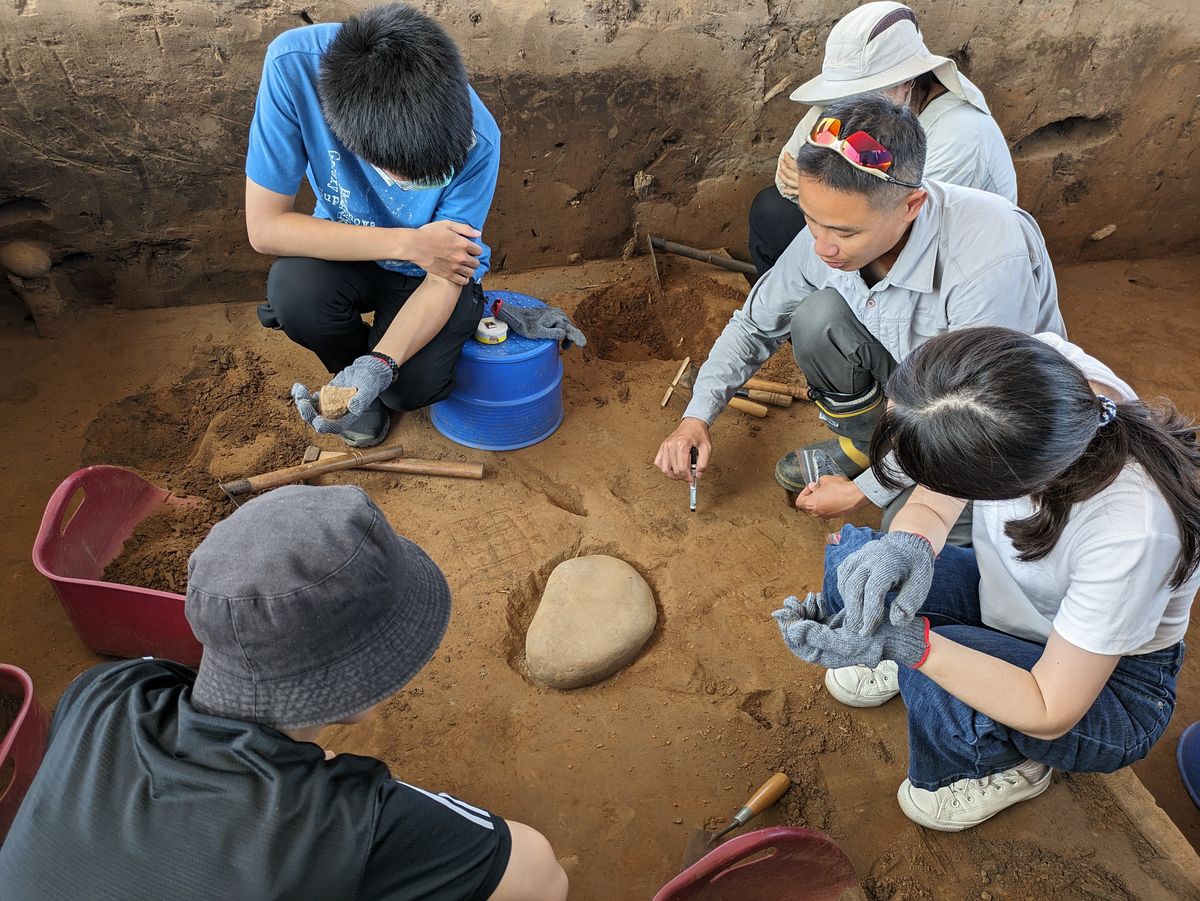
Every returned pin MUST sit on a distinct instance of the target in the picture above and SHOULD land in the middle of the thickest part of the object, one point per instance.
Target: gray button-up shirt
(971, 258)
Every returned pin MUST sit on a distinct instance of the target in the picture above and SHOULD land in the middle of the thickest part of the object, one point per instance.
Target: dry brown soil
(615, 775)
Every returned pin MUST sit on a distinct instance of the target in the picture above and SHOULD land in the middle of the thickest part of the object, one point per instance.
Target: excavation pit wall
(124, 125)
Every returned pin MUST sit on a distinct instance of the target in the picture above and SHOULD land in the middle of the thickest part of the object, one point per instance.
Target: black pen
(692, 489)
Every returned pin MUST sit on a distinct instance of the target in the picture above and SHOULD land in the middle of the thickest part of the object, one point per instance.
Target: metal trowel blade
(698, 845)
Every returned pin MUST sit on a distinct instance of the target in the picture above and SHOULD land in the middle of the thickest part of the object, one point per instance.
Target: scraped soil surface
(616, 775)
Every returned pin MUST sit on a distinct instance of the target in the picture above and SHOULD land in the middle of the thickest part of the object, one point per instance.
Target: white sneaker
(968, 802)
(862, 686)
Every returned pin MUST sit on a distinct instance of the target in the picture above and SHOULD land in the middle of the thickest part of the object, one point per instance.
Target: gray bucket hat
(875, 46)
(310, 608)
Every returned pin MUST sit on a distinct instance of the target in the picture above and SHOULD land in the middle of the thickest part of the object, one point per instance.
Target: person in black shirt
(164, 782)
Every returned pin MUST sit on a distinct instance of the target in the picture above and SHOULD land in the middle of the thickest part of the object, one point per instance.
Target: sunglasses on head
(860, 150)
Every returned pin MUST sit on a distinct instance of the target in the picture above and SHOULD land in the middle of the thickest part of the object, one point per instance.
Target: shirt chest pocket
(928, 323)
(904, 324)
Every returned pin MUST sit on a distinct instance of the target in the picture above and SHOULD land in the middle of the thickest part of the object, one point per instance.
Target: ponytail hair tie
(1108, 410)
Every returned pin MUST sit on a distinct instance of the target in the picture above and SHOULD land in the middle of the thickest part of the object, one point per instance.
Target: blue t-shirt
(289, 138)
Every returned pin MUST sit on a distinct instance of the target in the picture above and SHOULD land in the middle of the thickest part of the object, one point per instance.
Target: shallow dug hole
(631, 320)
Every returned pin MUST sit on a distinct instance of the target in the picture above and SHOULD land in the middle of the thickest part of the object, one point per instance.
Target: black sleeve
(79, 690)
(433, 847)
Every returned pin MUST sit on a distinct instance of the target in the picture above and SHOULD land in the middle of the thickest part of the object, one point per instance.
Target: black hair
(895, 127)
(394, 90)
(993, 414)
(922, 85)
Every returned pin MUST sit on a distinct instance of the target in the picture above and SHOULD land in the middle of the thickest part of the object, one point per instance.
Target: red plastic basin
(23, 745)
(86, 521)
(782, 863)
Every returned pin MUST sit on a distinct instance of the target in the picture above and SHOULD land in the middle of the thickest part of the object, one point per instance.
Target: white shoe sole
(852, 700)
(921, 818)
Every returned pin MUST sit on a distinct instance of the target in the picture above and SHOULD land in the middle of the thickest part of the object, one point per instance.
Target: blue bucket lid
(514, 347)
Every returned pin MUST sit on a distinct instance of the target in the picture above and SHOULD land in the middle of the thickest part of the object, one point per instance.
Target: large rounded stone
(25, 259)
(595, 615)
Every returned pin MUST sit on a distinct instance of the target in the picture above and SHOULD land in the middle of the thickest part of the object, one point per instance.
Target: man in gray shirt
(886, 263)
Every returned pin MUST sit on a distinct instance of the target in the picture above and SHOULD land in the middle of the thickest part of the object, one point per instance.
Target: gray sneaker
(370, 427)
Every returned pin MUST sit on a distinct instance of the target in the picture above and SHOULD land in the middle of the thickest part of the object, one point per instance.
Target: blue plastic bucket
(506, 395)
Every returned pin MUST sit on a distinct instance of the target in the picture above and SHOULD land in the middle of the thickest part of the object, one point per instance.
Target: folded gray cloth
(899, 560)
(541, 322)
(833, 645)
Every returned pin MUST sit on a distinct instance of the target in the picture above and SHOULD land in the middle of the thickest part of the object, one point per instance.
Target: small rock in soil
(594, 617)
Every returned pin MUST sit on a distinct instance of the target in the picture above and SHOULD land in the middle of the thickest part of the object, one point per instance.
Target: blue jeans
(948, 740)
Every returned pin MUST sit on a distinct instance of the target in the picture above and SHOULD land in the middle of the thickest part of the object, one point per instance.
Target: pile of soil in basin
(10, 706)
(156, 554)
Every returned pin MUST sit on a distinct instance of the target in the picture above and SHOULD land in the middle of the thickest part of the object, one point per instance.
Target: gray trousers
(846, 368)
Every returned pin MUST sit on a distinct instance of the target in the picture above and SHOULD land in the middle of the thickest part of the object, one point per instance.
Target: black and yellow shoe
(797, 469)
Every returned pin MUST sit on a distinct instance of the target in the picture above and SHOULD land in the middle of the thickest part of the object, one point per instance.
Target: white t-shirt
(1105, 587)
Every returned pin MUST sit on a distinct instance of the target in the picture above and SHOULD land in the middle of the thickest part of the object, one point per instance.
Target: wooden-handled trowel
(701, 841)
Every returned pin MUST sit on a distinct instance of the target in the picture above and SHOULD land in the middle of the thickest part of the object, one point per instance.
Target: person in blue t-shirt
(402, 156)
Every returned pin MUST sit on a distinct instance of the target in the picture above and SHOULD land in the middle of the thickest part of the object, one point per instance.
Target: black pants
(774, 223)
(319, 304)
(835, 351)
(841, 359)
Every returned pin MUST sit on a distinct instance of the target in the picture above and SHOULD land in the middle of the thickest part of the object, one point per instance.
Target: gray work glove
(812, 608)
(832, 645)
(899, 560)
(370, 375)
(541, 322)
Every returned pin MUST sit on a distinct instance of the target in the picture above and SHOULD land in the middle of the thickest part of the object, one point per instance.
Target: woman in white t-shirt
(1056, 639)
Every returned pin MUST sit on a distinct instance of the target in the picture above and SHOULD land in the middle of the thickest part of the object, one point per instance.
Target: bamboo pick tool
(682, 383)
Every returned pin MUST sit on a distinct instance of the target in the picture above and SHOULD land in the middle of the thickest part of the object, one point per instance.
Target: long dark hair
(993, 414)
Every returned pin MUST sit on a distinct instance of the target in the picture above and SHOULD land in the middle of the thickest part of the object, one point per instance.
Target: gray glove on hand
(370, 375)
(811, 609)
(899, 560)
(541, 322)
(832, 645)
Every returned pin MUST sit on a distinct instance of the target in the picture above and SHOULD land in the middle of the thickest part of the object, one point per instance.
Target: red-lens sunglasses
(860, 150)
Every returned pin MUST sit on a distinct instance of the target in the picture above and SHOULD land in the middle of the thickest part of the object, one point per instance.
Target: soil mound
(221, 420)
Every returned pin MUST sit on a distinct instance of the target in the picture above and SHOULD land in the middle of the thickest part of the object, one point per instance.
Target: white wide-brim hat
(877, 46)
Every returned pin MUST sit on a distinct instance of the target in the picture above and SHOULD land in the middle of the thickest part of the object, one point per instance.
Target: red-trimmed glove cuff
(924, 656)
(923, 538)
